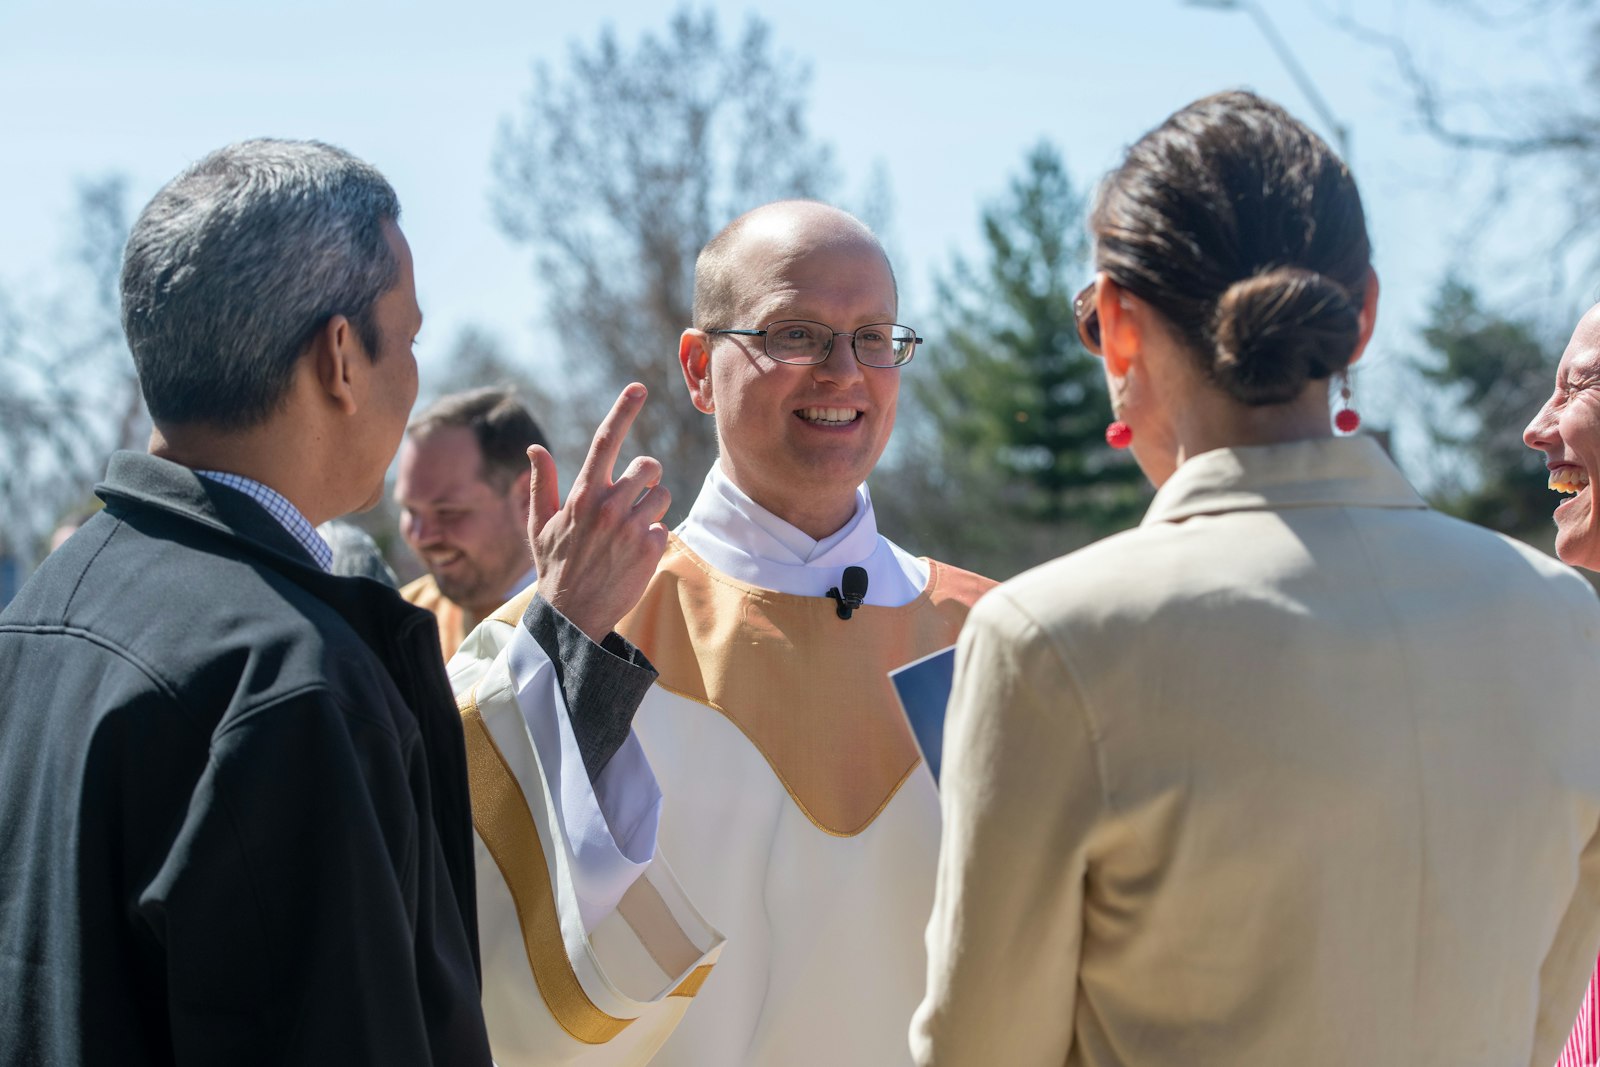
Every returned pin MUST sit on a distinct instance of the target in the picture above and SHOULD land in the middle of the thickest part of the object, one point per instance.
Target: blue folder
(923, 687)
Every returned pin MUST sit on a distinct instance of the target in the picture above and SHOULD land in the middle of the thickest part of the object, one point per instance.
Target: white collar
(728, 513)
(747, 542)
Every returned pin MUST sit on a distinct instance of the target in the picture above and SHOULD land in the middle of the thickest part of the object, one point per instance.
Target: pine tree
(1019, 406)
(1491, 373)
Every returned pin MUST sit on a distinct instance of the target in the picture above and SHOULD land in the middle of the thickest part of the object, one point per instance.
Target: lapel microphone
(850, 591)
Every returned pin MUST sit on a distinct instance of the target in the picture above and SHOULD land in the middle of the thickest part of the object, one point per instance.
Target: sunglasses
(1084, 309)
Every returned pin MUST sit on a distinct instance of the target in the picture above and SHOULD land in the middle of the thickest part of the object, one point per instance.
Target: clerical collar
(745, 541)
(737, 523)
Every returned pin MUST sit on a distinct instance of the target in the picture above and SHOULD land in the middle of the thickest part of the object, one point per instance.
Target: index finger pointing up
(607, 445)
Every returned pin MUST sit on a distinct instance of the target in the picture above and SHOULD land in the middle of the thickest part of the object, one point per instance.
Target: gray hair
(235, 265)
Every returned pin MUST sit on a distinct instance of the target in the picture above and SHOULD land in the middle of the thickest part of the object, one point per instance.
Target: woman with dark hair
(1298, 771)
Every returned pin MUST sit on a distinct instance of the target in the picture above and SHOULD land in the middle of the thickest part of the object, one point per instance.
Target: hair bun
(1277, 330)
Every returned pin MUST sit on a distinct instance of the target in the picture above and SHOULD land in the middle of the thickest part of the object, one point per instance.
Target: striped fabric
(280, 508)
(1583, 1047)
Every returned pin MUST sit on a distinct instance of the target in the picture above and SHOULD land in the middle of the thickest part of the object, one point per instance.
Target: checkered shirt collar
(278, 507)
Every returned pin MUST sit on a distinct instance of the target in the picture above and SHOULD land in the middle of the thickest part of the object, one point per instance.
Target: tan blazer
(1296, 773)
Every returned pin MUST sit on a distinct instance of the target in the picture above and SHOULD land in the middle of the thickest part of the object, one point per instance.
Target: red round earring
(1346, 419)
(1119, 434)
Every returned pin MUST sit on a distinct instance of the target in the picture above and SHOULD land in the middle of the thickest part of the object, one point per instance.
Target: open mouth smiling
(439, 559)
(828, 416)
(1568, 479)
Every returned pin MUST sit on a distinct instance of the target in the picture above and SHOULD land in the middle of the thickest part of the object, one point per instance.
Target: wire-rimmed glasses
(806, 343)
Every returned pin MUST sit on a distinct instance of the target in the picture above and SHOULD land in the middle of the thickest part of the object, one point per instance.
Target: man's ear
(1121, 334)
(339, 363)
(694, 356)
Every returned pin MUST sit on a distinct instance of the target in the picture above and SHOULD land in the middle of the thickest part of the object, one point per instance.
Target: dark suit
(234, 826)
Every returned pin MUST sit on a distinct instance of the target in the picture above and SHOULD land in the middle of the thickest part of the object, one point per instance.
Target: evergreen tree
(1491, 373)
(1018, 404)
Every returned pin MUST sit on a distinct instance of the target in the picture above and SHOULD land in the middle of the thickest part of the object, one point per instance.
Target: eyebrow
(447, 499)
(1584, 372)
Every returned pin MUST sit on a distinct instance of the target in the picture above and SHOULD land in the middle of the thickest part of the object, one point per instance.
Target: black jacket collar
(141, 479)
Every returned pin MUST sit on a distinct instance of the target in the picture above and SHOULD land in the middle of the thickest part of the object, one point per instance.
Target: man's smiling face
(793, 437)
(1567, 431)
(468, 530)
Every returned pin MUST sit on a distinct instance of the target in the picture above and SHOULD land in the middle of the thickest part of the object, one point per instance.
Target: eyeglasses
(1088, 316)
(798, 341)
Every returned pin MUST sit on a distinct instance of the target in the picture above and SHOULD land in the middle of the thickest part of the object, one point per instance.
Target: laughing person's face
(467, 524)
(1567, 431)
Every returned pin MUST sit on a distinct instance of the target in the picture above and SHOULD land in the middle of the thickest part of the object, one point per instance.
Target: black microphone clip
(854, 586)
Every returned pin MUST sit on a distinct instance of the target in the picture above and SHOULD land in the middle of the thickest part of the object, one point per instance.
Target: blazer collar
(1325, 472)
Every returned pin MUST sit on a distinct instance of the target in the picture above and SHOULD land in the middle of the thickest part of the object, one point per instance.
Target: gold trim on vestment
(511, 611)
(691, 985)
(799, 801)
(505, 824)
(809, 690)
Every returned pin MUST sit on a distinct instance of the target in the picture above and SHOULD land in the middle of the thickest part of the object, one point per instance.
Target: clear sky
(954, 93)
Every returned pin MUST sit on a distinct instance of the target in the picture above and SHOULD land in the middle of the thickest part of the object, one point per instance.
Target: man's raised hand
(596, 553)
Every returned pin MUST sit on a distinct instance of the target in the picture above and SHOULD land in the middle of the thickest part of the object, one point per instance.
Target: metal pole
(1341, 133)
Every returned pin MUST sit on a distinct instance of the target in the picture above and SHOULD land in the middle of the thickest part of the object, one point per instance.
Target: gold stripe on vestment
(504, 822)
(808, 690)
(691, 985)
(511, 611)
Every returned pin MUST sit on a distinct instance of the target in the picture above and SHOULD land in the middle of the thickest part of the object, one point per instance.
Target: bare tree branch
(68, 394)
(1551, 124)
(618, 171)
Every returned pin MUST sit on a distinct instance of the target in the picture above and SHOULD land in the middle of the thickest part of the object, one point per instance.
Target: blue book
(923, 687)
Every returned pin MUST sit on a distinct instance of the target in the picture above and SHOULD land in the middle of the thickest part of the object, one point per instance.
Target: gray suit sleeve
(602, 684)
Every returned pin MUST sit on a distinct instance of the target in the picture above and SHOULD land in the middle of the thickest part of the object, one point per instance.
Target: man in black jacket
(234, 824)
